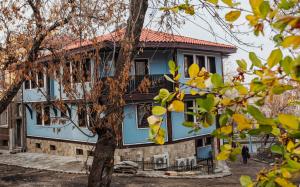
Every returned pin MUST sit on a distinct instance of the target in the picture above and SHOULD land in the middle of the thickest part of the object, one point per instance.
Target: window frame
(148, 65)
(139, 126)
(42, 107)
(36, 80)
(207, 65)
(81, 65)
(6, 115)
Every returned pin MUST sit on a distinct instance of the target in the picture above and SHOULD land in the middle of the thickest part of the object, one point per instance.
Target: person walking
(245, 154)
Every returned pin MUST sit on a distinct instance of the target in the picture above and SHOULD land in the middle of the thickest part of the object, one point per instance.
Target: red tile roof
(150, 36)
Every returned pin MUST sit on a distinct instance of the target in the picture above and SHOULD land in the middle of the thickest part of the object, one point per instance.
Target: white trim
(207, 67)
(66, 139)
(199, 135)
(37, 81)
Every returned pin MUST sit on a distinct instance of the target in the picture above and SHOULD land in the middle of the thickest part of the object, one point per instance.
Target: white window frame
(207, 66)
(194, 105)
(43, 113)
(37, 82)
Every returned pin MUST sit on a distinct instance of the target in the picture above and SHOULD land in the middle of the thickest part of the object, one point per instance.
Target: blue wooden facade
(132, 134)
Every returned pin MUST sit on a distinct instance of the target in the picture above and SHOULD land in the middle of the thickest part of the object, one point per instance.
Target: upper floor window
(143, 112)
(36, 80)
(207, 62)
(141, 66)
(80, 71)
(43, 115)
(3, 118)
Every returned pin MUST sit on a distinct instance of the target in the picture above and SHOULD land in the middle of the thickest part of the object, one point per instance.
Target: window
(81, 71)
(200, 60)
(208, 62)
(188, 61)
(205, 141)
(3, 118)
(36, 80)
(143, 112)
(141, 67)
(43, 115)
(212, 64)
(52, 147)
(79, 152)
(38, 145)
(87, 70)
(208, 140)
(82, 116)
(189, 105)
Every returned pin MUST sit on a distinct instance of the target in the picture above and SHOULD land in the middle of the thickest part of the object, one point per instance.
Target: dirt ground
(17, 176)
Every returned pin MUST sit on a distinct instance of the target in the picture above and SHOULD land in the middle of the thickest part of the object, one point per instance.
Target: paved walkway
(45, 162)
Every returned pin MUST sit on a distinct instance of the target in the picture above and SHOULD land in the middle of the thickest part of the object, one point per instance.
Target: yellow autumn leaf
(290, 146)
(193, 92)
(283, 182)
(291, 41)
(241, 89)
(228, 2)
(159, 140)
(232, 16)
(274, 58)
(194, 70)
(215, 2)
(297, 151)
(226, 129)
(285, 173)
(225, 101)
(242, 122)
(289, 121)
(176, 106)
(223, 155)
(255, 4)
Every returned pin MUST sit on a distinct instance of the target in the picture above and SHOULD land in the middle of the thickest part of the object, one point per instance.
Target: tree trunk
(103, 162)
(102, 168)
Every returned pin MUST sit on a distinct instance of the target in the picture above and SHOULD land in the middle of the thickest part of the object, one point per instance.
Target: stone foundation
(177, 150)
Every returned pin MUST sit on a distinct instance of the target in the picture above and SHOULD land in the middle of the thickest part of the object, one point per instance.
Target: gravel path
(13, 176)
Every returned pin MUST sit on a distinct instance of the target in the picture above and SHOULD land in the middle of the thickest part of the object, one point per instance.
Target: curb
(261, 161)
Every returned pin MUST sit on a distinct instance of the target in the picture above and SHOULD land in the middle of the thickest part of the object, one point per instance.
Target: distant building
(62, 138)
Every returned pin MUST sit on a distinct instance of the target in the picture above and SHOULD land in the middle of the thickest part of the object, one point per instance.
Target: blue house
(156, 49)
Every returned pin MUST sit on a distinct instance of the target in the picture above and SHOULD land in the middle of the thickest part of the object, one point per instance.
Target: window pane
(188, 61)
(46, 116)
(67, 73)
(33, 80)
(200, 142)
(27, 84)
(41, 79)
(39, 115)
(3, 120)
(76, 71)
(143, 112)
(87, 70)
(81, 116)
(208, 141)
(201, 61)
(212, 64)
(141, 67)
(189, 108)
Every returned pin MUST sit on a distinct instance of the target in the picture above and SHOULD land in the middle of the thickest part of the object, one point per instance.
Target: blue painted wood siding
(158, 64)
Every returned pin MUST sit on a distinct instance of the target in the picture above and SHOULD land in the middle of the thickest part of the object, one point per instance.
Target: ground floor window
(43, 115)
(3, 118)
(143, 112)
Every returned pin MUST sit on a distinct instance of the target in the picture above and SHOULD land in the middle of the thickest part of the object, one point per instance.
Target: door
(204, 148)
(141, 67)
(18, 133)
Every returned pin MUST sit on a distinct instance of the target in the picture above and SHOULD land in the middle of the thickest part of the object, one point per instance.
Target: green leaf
(223, 119)
(264, 9)
(242, 64)
(217, 80)
(286, 64)
(245, 180)
(277, 149)
(188, 124)
(163, 93)
(232, 16)
(286, 4)
(207, 103)
(259, 116)
(169, 79)
(158, 110)
(279, 89)
(255, 60)
(254, 132)
(274, 58)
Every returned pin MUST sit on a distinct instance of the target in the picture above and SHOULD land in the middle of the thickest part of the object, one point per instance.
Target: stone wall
(177, 150)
